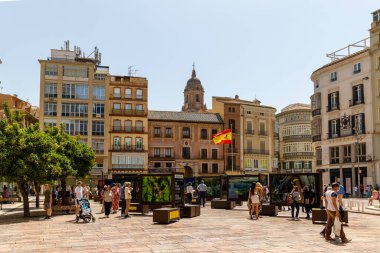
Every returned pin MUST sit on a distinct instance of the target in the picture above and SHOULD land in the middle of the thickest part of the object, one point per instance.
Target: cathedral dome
(194, 83)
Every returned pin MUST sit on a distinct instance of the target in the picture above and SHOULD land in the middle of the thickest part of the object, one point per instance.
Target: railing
(356, 102)
(297, 137)
(128, 166)
(331, 108)
(316, 138)
(256, 152)
(316, 112)
(249, 131)
(127, 148)
(294, 154)
(264, 133)
(126, 96)
(333, 135)
(163, 156)
(127, 129)
(131, 112)
(232, 150)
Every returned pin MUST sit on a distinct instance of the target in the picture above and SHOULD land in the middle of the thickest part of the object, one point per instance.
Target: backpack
(290, 199)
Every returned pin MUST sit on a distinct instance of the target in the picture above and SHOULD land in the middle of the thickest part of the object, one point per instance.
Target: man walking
(332, 212)
(202, 189)
(122, 198)
(78, 196)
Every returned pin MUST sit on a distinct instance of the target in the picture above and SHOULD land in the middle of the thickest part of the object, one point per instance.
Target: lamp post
(357, 144)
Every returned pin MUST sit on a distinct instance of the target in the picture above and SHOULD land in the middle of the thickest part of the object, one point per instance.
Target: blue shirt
(122, 193)
(341, 190)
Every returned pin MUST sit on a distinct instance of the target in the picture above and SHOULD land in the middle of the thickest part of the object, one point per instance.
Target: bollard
(362, 207)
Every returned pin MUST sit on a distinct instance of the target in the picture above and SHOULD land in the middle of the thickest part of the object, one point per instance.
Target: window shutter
(353, 124)
(354, 94)
(329, 100)
(363, 123)
(362, 93)
(337, 100)
(338, 127)
(330, 133)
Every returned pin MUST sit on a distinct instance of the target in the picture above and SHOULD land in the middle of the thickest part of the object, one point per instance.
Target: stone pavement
(214, 231)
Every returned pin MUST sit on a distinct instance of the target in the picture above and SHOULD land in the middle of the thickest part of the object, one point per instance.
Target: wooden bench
(223, 204)
(64, 208)
(166, 215)
(189, 211)
(270, 210)
(6, 200)
(195, 201)
(320, 216)
(139, 208)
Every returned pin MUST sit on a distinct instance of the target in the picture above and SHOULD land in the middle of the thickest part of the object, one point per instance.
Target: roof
(239, 101)
(198, 117)
(296, 106)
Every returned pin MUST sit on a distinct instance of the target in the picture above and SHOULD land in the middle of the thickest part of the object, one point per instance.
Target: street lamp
(357, 128)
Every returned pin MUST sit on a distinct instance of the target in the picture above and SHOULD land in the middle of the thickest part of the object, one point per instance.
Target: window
(249, 129)
(50, 90)
(186, 153)
(333, 101)
(169, 165)
(186, 133)
(256, 164)
(97, 127)
(100, 77)
(128, 142)
(116, 106)
(50, 122)
(333, 76)
(214, 154)
(376, 16)
(357, 68)
(75, 71)
(231, 109)
(262, 147)
(168, 132)
(357, 95)
(334, 155)
(139, 107)
(50, 109)
(157, 165)
(231, 125)
(75, 127)
(116, 125)
(116, 143)
(156, 152)
(77, 91)
(358, 123)
(128, 107)
(248, 163)
(139, 143)
(213, 132)
(51, 70)
(139, 126)
(362, 154)
(128, 93)
(116, 93)
(168, 152)
(204, 134)
(98, 146)
(74, 110)
(157, 132)
(139, 94)
(203, 153)
(215, 168)
(262, 129)
(334, 128)
(128, 125)
(204, 168)
(347, 154)
(263, 164)
(98, 92)
(98, 110)
(298, 165)
(197, 98)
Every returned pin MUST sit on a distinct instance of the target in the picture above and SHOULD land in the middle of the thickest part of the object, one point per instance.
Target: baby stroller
(85, 211)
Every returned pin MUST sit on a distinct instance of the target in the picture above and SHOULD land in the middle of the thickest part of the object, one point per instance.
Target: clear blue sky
(266, 48)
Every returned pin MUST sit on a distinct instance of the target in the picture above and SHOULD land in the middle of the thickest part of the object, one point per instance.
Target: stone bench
(320, 216)
(139, 208)
(63, 208)
(189, 211)
(166, 215)
(223, 204)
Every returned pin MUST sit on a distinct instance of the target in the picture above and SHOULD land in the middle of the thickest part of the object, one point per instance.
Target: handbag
(337, 226)
(290, 199)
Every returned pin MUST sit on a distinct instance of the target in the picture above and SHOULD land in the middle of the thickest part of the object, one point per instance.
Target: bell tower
(194, 95)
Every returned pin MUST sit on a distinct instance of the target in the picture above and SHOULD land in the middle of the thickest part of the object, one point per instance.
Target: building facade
(296, 152)
(253, 126)
(346, 113)
(30, 112)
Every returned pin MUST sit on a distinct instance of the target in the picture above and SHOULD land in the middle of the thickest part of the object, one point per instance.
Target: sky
(264, 49)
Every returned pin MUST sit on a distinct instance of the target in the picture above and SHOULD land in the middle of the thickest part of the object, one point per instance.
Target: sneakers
(329, 239)
(345, 240)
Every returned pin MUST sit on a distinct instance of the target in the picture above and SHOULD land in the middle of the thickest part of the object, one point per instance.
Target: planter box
(320, 216)
(166, 215)
(189, 211)
(222, 204)
(139, 208)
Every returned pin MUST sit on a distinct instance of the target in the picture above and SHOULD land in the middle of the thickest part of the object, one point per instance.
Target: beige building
(295, 142)
(30, 112)
(253, 125)
(346, 113)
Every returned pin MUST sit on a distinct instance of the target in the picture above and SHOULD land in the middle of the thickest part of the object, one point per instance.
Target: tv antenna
(130, 69)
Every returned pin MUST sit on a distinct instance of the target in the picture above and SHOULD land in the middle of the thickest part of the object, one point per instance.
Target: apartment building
(346, 113)
(296, 152)
(253, 126)
(30, 112)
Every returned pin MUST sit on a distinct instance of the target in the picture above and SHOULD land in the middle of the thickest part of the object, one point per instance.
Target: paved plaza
(214, 231)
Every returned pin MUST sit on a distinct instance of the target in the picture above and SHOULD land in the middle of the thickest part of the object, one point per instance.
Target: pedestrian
(115, 198)
(5, 193)
(189, 193)
(78, 196)
(202, 189)
(107, 198)
(361, 190)
(308, 200)
(255, 196)
(122, 198)
(85, 191)
(48, 201)
(296, 202)
(356, 191)
(333, 212)
(128, 198)
(340, 193)
(324, 200)
(102, 194)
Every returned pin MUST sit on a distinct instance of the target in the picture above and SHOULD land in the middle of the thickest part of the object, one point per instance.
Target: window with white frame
(128, 93)
(98, 110)
(75, 71)
(333, 76)
(50, 109)
(98, 92)
(51, 69)
(139, 94)
(156, 152)
(74, 110)
(50, 122)
(75, 127)
(357, 68)
(98, 128)
(77, 91)
(50, 90)
(116, 92)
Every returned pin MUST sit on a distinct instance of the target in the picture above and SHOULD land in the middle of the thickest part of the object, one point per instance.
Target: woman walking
(255, 195)
(296, 199)
(107, 198)
(128, 198)
(115, 198)
(48, 201)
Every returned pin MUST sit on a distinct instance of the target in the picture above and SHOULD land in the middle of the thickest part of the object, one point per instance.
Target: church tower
(194, 95)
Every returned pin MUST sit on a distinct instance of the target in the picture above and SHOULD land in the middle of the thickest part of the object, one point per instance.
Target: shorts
(47, 206)
(255, 199)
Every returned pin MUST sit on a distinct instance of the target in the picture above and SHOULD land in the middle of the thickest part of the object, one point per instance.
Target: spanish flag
(224, 137)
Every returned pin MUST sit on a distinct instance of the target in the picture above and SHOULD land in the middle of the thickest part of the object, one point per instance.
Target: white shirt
(329, 198)
(202, 188)
(79, 192)
(189, 189)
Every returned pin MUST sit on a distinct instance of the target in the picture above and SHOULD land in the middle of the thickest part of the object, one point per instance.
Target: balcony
(297, 154)
(316, 138)
(162, 156)
(356, 102)
(264, 133)
(316, 112)
(232, 150)
(331, 108)
(256, 152)
(333, 135)
(297, 137)
(127, 148)
(127, 129)
(128, 166)
(127, 97)
(131, 112)
(249, 131)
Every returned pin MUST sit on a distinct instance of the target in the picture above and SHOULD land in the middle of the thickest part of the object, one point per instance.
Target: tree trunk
(37, 186)
(25, 199)
(63, 190)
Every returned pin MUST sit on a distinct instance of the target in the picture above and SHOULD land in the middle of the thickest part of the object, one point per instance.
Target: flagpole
(232, 150)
